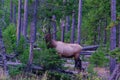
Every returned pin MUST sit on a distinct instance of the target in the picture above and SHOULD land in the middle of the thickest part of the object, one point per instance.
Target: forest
(59, 40)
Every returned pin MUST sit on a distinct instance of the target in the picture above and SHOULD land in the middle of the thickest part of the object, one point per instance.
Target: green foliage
(15, 70)
(9, 38)
(57, 76)
(48, 58)
(92, 75)
(115, 53)
(98, 58)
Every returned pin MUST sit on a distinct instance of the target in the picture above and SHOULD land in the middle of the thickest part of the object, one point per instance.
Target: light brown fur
(67, 50)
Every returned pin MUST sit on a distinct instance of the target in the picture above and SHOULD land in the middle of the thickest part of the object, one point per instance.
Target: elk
(66, 50)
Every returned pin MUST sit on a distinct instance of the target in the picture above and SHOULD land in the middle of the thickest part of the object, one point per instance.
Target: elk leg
(78, 64)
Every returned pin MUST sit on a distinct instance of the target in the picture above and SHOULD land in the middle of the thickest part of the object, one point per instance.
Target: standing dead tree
(54, 26)
(25, 23)
(19, 21)
(116, 73)
(113, 35)
(73, 27)
(2, 53)
(32, 35)
(63, 30)
(79, 20)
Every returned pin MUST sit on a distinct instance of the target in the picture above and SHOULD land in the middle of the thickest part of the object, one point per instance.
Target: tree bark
(116, 73)
(63, 30)
(95, 36)
(79, 20)
(99, 35)
(54, 26)
(67, 23)
(113, 34)
(14, 12)
(19, 21)
(105, 32)
(25, 22)
(119, 35)
(11, 11)
(3, 52)
(32, 35)
(73, 27)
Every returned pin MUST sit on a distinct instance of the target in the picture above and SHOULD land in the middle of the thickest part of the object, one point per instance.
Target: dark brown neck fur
(49, 41)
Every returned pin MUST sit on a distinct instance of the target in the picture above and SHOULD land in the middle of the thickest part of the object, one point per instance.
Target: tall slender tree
(63, 30)
(67, 23)
(11, 11)
(105, 32)
(113, 34)
(3, 52)
(14, 12)
(79, 20)
(25, 22)
(19, 21)
(54, 26)
(32, 34)
(119, 35)
(73, 27)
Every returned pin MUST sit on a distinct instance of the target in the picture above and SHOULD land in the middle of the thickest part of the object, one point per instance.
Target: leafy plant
(9, 38)
(116, 54)
(58, 76)
(48, 58)
(98, 58)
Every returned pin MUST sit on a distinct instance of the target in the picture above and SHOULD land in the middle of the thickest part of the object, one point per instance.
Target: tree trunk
(54, 26)
(25, 22)
(67, 23)
(116, 73)
(73, 27)
(14, 12)
(119, 35)
(63, 30)
(79, 20)
(11, 11)
(95, 36)
(99, 35)
(19, 21)
(3, 52)
(113, 34)
(32, 35)
(105, 32)
(3, 15)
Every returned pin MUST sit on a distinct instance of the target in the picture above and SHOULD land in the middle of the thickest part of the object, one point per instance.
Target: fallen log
(37, 68)
(116, 73)
(93, 47)
(11, 63)
(86, 52)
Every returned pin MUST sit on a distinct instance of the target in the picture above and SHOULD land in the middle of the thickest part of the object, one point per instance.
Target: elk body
(67, 50)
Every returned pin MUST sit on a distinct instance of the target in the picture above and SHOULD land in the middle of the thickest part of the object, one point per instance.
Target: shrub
(50, 75)
(115, 53)
(9, 37)
(48, 58)
(98, 58)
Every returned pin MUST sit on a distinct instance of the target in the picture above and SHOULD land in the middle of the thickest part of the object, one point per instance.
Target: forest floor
(101, 72)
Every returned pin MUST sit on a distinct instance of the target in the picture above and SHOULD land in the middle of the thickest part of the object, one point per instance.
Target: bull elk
(67, 50)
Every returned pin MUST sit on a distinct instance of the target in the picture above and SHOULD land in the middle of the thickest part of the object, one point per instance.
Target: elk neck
(51, 44)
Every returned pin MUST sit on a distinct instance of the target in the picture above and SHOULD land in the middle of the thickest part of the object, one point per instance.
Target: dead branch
(93, 47)
(115, 72)
(86, 52)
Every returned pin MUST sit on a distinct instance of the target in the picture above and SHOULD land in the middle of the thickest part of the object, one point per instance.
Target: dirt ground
(101, 71)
